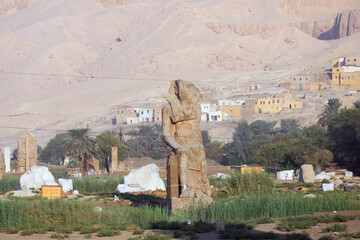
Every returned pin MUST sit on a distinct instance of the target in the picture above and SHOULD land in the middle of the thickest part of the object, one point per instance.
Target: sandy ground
(71, 63)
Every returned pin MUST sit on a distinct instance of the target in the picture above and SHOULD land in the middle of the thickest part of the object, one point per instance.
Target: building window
(231, 109)
(273, 100)
(335, 77)
(337, 70)
(300, 79)
(294, 79)
(294, 106)
(348, 60)
(354, 59)
(278, 101)
(306, 79)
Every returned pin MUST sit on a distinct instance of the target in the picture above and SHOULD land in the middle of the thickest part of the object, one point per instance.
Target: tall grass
(47, 214)
(249, 184)
(93, 185)
(9, 183)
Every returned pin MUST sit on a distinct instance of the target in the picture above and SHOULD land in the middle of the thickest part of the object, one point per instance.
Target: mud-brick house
(346, 73)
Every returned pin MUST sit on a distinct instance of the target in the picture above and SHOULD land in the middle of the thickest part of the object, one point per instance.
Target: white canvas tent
(285, 175)
(146, 178)
(36, 177)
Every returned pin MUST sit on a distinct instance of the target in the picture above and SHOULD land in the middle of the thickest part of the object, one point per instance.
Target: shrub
(105, 232)
(92, 185)
(27, 232)
(157, 236)
(12, 231)
(297, 236)
(335, 228)
(138, 231)
(88, 236)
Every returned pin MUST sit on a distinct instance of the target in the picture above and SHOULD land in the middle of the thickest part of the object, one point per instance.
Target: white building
(215, 116)
(205, 109)
(132, 120)
(146, 114)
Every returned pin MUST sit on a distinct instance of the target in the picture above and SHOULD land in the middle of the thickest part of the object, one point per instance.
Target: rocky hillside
(64, 61)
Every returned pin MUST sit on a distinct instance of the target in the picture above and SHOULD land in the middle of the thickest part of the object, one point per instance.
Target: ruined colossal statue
(181, 132)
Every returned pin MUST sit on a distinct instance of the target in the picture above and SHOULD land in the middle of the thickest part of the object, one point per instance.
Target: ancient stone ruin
(27, 151)
(2, 165)
(186, 167)
(307, 173)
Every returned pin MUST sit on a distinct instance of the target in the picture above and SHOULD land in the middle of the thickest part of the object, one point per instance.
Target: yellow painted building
(346, 73)
(275, 105)
(269, 105)
(231, 113)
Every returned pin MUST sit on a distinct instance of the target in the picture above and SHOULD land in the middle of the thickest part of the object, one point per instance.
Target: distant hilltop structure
(346, 73)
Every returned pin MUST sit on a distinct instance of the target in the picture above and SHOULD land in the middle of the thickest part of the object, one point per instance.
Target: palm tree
(330, 111)
(357, 104)
(80, 145)
(290, 126)
(147, 137)
(262, 128)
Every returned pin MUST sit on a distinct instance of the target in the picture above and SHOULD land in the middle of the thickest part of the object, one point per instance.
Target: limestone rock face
(27, 151)
(307, 173)
(2, 165)
(187, 169)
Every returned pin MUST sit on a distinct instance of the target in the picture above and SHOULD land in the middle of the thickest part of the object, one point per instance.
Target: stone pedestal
(173, 185)
(179, 203)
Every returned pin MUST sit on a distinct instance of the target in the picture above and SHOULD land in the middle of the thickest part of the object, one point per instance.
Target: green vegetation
(335, 228)
(92, 185)
(80, 215)
(249, 184)
(9, 183)
(78, 144)
(148, 142)
(293, 223)
(105, 142)
(53, 152)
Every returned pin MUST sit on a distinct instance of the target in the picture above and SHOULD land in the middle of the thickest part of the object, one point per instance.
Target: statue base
(179, 203)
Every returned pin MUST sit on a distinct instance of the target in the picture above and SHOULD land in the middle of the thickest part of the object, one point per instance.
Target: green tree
(357, 104)
(53, 151)
(215, 151)
(148, 141)
(105, 141)
(330, 111)
(317, 135)
(262, 128)
(205, 137)
(238, 151)
(290, 126)
(322, 158)
(78, 144)
(287, 154)
(344, 132)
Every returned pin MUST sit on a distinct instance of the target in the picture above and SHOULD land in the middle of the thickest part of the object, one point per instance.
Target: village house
(303, 82)
(215, 116)
(146, 114)
(231, 113)
(124, 113)
(346, 73)
(205, 110)
(274, 104)
(158, 115)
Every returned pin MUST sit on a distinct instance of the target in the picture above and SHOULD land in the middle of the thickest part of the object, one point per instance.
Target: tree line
(284, 144)
(334, 139)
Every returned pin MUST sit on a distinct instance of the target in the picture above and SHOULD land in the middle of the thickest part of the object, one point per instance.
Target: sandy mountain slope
(63, 61)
